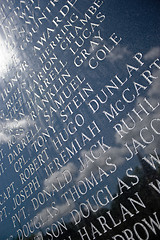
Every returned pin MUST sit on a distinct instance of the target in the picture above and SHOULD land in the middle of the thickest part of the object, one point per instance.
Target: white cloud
(4, 137)
(154, 91)
(58, 176)
(15, 124)
(50, 215)
(118, 54)
(117, 153)
(153, 97)
(110, 156)
(11, 127)
(152, 54)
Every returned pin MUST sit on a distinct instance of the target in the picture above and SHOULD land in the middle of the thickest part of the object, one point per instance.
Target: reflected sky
(38, 172)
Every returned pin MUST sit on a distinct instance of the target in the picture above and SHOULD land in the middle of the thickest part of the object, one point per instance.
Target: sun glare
(7, 57)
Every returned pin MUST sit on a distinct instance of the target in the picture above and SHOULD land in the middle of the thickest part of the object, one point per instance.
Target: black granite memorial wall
(79, 119)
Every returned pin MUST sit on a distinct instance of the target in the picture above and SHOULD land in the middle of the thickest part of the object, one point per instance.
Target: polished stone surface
(79, 116)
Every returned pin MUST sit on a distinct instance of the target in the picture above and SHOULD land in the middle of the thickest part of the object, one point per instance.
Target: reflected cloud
(153, 53)
(107, 161)
(118, 152)
(50, 215)
(55, 212)
(58, 176)
(115, 155)
(4, 137)
(13, 127)
(118, 54)
(153, 97)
